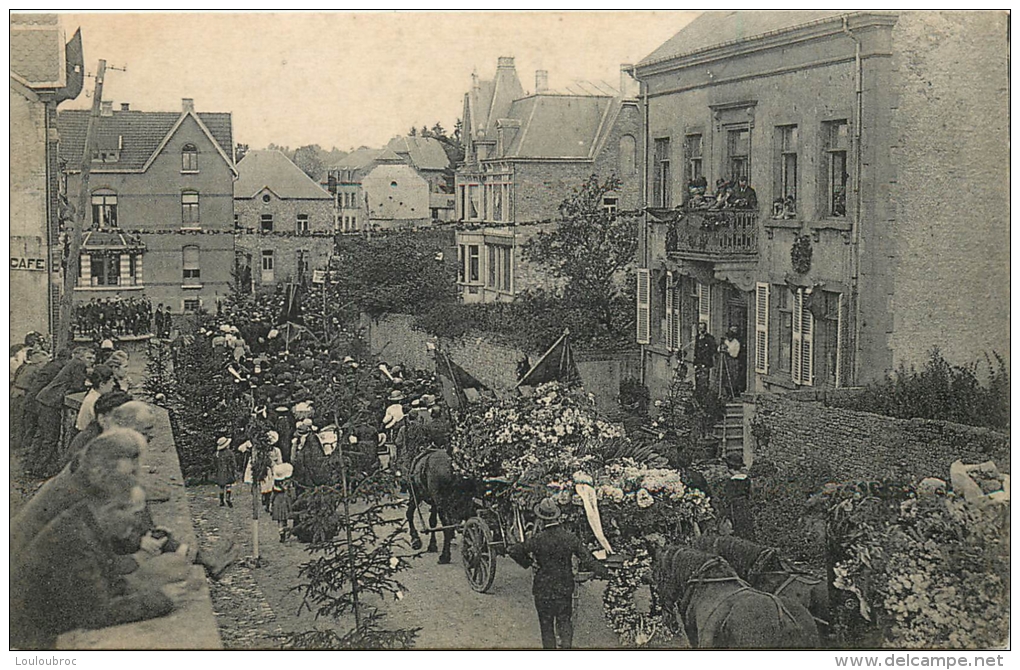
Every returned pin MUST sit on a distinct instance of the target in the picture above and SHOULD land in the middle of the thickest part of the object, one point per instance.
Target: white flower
(644, 498)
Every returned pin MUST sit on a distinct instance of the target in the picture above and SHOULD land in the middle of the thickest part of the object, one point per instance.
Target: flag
(557, 364)
(454, 381)
(291, 305)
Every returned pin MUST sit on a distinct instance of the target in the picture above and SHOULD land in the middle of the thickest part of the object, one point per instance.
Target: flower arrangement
(800, 254)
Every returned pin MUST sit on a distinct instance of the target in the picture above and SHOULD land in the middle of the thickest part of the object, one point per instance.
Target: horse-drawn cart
(496, 524)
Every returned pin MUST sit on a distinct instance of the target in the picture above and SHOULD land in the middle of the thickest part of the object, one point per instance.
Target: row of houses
(878, 159)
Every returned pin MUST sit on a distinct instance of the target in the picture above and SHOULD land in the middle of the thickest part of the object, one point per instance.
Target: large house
(405, 184)
(876, 144)
(524, 154)
(44, 72)
(162, 204)
(284, 221)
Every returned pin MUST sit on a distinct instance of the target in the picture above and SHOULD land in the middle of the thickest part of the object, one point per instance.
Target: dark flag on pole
(458, 386)
(556, 365)
(291, 305)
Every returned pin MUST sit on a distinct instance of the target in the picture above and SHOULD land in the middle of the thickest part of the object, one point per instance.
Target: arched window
(628, 155)
(189, 208)
(189, 158)
(104, 208)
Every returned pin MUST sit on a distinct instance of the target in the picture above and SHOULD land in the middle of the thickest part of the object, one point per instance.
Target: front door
(735, 316)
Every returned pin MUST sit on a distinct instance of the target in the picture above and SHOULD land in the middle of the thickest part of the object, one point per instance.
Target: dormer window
(189, 158)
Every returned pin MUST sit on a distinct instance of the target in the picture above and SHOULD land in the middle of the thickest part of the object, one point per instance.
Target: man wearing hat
(307, 456)
(553, 548)
(394, 424)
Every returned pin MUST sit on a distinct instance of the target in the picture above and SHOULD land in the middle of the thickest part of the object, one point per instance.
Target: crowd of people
(85, 552)
(729, 194)
(101, 318)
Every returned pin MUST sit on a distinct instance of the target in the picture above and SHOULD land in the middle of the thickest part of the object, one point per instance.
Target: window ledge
(190, 171)
(133, 287)
(842, 224)
(778, 380)
(189, 286)
(196, 229)
(790, 224)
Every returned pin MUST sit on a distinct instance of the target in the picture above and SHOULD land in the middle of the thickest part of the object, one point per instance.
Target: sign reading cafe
(30, 264)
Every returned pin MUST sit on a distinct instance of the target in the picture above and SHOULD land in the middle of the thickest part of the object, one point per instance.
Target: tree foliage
(309, 159)
(592, 248)
(942, 392)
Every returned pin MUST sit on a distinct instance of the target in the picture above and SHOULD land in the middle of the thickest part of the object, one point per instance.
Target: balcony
(726, 235)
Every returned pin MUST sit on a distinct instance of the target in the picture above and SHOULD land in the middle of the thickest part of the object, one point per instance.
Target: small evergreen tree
(159, 376)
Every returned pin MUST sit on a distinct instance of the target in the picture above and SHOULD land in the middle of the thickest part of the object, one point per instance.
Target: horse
(450, 498)
(764, 569)
(718, 610)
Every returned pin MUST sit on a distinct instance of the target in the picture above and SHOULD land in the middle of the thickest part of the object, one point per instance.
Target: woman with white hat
(283, 494)
(226, 470)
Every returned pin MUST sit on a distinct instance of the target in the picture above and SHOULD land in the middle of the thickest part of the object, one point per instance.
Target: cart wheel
(479, 558)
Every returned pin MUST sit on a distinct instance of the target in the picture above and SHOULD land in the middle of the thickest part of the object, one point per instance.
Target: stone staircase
(729, 433)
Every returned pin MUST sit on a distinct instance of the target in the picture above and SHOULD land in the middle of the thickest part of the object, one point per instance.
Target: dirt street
(254, 604)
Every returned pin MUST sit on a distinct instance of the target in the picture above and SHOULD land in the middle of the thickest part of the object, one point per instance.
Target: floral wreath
(800, 254)
(634, 628)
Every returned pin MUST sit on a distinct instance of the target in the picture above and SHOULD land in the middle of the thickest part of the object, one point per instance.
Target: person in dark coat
(738, 494)
(107, 403)
(743, 197)
(46, 442)
(553, 549)
(67, 578)
(30, 409)
(310, 462)
(704, 357)
(226, 470)
(23, 379)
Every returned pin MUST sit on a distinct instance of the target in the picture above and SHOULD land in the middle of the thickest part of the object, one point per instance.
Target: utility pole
(78, 223)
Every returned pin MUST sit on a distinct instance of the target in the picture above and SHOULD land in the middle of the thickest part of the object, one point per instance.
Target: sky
(349, 79)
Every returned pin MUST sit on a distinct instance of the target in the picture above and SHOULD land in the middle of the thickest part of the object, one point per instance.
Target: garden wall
(799, 445)
(492, 362)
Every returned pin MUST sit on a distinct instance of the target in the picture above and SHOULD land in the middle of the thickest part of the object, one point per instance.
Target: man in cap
(23, 378)
(553, 549)
(67, 578)
(70, 379)
(30, 411)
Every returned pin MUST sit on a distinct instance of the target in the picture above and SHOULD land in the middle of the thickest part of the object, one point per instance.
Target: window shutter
(671, 343)
(839, 342)
(704, 303)
(675, 307)
(643, 305)
(761, 329)
(795, 360)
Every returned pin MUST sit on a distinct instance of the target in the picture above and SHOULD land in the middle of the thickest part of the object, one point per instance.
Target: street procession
(524, 380)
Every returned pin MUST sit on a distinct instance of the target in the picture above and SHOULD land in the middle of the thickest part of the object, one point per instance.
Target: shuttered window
(643, 306)
(803, 341)
(761, 328)
(671, 343)
(704, 303)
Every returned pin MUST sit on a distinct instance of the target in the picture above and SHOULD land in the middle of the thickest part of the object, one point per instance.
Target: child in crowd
(283, 493)
(226, 470)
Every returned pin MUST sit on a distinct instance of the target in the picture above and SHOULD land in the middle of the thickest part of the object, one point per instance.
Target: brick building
(885, 134)
(44, 71)
(162, 192)
(525, 154)
(407, 183)
(284, 222)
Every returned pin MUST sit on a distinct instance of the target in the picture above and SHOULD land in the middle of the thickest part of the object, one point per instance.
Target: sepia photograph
(511, 330)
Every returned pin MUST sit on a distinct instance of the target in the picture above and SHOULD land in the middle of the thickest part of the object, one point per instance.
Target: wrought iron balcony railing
(709, 234)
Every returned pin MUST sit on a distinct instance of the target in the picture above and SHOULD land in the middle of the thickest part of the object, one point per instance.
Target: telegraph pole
(78, 222)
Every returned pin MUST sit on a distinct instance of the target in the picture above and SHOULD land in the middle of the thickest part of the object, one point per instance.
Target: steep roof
(558, 126)
(713, 29)
(37, 50)
(425, 153)
(143, 134)
(273, 170)
(358, 159)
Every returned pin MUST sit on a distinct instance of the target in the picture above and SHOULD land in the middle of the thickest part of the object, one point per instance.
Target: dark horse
(767, 571)
(718, 610)
(450, 498)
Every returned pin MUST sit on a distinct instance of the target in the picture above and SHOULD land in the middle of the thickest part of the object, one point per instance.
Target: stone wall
(249, 246)
(799, 445)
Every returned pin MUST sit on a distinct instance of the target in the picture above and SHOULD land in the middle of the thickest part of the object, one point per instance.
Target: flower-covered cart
(617, 496)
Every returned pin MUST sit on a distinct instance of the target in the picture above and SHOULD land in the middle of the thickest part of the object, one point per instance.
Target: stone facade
(873, 295)
(397, 197)
(495, 246)
(275, 258)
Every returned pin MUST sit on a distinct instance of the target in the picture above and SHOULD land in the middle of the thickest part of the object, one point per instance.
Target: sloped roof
(717, 28)
(37, 50)
(557, 126)
(142, 132)
(269, 168)
(425, 153)
(358, 159)
(388, 155)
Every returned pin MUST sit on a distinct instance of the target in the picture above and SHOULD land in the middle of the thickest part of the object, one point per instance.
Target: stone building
(44, 71)
(284, 222)
(525, 154)
(883, 136)
(407, 183)
(162, 204)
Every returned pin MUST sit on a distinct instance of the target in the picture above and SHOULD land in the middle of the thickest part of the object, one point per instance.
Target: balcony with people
(714, 227)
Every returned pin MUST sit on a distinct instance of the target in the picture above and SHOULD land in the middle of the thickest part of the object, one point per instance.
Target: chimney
(505, 63)
(541, 81)
(187, 104)
(106, 108)
(628, 85)
(125, 106)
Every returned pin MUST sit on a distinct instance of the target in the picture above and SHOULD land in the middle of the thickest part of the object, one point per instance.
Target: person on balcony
(696, 199)
(723, 193)
(743, 196)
